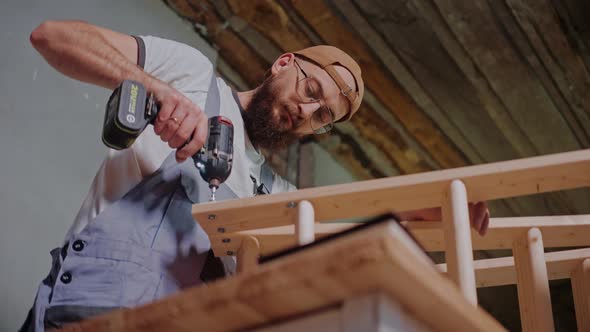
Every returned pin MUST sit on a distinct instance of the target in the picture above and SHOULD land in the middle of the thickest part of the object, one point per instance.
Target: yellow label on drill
(132, 102)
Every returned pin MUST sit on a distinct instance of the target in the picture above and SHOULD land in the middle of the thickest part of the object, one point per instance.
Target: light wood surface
(458, 250)
(381, 258)
(558, 231)
(581, 291)
(532, 282)
(305, 223)
(367, 198)
(500, 271)
(247, 257)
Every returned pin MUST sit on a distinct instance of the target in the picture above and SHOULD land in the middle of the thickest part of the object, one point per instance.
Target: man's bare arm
(89, 53)
(104, 57)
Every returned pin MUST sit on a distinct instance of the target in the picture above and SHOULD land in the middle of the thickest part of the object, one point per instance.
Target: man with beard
(134, 240)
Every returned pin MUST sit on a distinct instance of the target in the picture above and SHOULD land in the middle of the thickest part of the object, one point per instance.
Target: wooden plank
(534, 30)
(485, 182)
(248, 254)
(506, 73)
(328, 320)
(500, 271)
(532, 282)
(581, 292)
(458, 248)
(492, 104)
(422, 66)
(559, 69)
(572, 13)
(379, 259)
(558, 232)
(305, 222)
(334, 32)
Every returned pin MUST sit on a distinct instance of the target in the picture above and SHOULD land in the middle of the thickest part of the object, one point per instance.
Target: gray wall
(50, 143)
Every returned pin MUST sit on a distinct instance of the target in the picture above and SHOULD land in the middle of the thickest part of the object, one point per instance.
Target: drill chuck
(215, 159)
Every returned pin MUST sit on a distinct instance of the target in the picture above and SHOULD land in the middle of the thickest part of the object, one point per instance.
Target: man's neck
(245, 97)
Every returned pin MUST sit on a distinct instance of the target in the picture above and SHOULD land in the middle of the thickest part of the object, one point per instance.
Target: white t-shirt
(189, 71)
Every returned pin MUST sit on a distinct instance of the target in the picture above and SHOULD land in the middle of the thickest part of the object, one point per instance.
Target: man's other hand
(479, 214)
(180, 123)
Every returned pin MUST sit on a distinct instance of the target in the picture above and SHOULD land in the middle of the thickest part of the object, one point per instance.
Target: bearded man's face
(269, 119)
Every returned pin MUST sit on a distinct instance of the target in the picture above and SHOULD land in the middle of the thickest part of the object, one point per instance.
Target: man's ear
(282, 62)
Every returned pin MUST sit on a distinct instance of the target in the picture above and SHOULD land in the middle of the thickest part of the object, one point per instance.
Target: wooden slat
(532, 282)
(581, 293)
(422, 66)
(485, 182)
(458, 248)
(558, 232)
(248, 254)
(334, 32)
(493, 105)
(506, 73)
(500, 271)
(572, 13)
(379, 259)
(556, 64)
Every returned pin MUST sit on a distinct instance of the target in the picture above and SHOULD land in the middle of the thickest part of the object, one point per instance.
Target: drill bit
(213, 190)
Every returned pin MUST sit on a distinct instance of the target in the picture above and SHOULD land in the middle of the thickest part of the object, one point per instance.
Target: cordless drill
(130, 109)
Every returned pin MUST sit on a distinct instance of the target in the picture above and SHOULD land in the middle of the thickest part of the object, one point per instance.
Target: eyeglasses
(308, 90)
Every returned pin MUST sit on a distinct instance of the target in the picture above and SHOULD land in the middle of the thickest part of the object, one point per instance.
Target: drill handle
(152, 109)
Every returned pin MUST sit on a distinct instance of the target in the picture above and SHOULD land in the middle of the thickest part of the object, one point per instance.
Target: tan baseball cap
(326, 57)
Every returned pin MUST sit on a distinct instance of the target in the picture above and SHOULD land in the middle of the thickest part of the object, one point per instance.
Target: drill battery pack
(127, 113)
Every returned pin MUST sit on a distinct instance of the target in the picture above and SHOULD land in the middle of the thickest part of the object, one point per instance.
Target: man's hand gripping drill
(130, 109)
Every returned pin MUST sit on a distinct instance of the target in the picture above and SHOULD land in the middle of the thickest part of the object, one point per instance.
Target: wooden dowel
(304, 228)
(581, 290)
(534, 299)
(459, 250)
(247, 256)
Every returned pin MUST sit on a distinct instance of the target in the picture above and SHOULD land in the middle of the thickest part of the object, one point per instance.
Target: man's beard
(259, 119)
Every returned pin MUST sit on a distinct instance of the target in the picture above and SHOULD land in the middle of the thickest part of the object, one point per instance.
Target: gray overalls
(143, 247)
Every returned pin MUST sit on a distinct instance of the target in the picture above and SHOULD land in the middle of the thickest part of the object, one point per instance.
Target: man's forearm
(80, 51)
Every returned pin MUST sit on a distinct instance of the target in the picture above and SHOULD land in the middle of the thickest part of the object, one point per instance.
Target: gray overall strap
(266, 177)
(213, 102)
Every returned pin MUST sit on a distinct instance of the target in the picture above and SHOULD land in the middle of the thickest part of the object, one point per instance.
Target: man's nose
(308, 109)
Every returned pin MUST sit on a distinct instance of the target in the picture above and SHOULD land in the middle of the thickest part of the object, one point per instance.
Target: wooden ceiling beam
(542, 41)
(507, 74)
(396, 66)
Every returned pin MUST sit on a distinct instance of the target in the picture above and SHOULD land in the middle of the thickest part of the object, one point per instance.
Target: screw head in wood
(230, 253)
(291, 205)
(211, 217)
(226, 240)
(221, 230)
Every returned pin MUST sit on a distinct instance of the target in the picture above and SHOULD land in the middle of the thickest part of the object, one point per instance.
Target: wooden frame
(485, 182)
(445, 189)
(558, 231)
